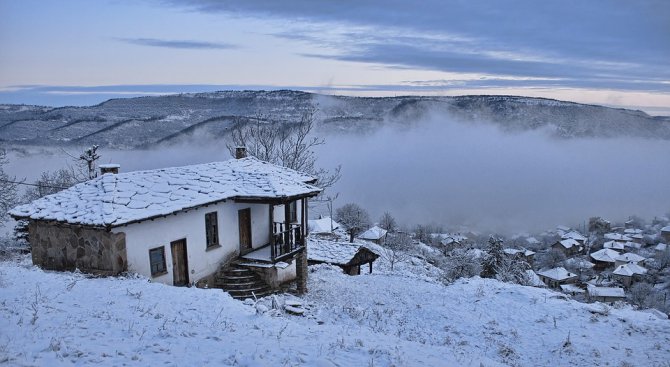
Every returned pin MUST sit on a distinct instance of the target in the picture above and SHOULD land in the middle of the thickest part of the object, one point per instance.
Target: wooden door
(244, 217)
(179, 263)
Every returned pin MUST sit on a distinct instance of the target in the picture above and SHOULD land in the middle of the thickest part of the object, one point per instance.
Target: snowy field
(402, 319)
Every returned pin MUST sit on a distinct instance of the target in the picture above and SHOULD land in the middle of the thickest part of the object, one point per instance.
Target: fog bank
(456, 174)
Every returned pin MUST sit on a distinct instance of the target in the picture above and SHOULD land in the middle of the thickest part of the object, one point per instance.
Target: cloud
(594, 44)
(179, 44)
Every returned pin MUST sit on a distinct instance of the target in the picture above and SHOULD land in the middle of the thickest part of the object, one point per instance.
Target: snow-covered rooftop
(605, 291)
(665, 229)
(661, 247)
(615, 245)
(571, 288)
(514, 251)
(630, 258)
(605, 255)
(336, 253)
(117, 199)
(557, 274)
(617, 237)
(574, 235)
(569, 243)
(373, 233)
(629, 270)
(322, 225)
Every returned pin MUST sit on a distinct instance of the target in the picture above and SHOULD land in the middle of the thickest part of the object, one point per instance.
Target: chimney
(240, 152)
(112, 168)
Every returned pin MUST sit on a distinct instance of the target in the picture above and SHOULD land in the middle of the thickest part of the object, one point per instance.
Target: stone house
(177, 225)
(605, 294)
(568, 246)
(557, 276)
(665, 233)
(604, 258)
(374, 234)
(627, 273)
(629, 258)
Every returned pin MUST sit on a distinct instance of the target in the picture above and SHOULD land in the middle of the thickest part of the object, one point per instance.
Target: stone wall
(65, 247)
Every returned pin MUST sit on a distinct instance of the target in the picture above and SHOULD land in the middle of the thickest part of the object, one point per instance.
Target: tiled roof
(117, 199)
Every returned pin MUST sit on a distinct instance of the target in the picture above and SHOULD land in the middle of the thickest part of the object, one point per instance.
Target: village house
(324, 225)
(665, 233)
(613, 236)
(557, 276)
(526, 255)
(374, 234)
(177, 225)
(605, 294)
(575, 236)
(568, 246)
(627, 273)
(661, 247)
(604, 258)
(348, 256)
(629, 258)
(615, 245)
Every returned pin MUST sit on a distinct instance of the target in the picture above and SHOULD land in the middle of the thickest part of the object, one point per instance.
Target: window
(212, 229)
(157, 261)
(293, 211)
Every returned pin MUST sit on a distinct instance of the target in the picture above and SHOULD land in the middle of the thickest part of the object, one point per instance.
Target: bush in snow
(460, 264)
(8, 188)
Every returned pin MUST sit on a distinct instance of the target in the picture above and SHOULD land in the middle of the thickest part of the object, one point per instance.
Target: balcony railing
(285, 241)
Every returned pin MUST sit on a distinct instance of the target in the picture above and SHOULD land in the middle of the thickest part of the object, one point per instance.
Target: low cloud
(454, 174)
(179, 44)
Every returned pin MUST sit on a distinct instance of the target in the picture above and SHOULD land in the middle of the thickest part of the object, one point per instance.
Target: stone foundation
(66, 247)
(301, 271)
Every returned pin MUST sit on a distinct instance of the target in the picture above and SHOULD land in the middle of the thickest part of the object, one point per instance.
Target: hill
(401, 318)
(150, 121)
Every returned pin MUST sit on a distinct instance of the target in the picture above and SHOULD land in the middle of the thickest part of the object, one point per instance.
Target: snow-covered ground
(379, 319)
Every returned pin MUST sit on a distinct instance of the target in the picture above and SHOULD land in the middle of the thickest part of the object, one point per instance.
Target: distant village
(609, 263)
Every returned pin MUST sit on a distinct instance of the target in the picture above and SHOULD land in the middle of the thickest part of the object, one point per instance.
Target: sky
(77, 52)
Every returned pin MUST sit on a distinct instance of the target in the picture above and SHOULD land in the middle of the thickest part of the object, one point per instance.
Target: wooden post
(287, 233)
(303, 221)
(370, 267)
(272, 237)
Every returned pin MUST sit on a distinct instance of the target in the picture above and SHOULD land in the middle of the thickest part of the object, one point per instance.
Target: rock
(294, 310)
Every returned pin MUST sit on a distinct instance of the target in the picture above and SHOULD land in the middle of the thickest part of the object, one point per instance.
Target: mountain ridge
(153, 120)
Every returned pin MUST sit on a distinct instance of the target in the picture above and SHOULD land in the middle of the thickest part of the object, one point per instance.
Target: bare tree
(551, 259)
(396, 248)
(287, 145)
(8, 188)
(387, 222)
(461, 264)
(51, 183)
(353, 218)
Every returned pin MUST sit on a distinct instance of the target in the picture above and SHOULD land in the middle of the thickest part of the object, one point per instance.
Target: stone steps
(241, 282)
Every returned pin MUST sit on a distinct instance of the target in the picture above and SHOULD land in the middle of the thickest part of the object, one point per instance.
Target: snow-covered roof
(557, 273)
(579, 263)
(629, 270)
(615, 245)
(336, 253)
(532, 241)
(633, 231)
(634, 245)
(373, 233)
(574, 235)
(571, 288)
(630, 257)
(514, 251)
(661, 247)
(605, 255)
(617, 237)
(665, 229)
(605, 291)
(322, 225)
(569, 243)
(117, 199)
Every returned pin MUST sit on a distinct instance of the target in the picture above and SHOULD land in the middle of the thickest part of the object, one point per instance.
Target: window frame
(212, 238)
(293, 211)
(158, 271)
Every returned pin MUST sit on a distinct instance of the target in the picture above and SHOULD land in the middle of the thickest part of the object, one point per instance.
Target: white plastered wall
(190, 225)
